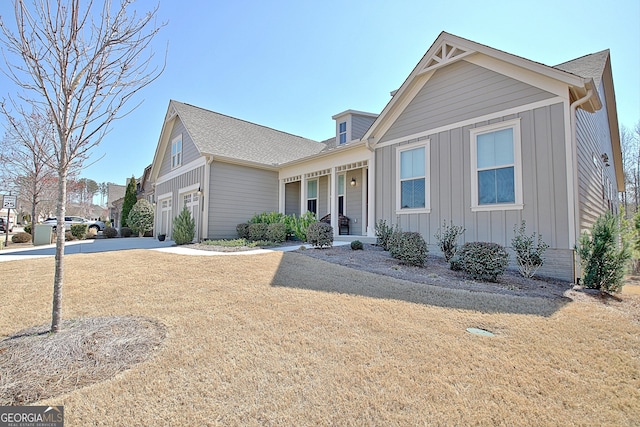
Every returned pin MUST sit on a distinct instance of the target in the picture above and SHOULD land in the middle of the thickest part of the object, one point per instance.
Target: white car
(70, 220)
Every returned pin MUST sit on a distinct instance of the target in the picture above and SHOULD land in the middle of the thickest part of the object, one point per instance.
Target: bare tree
(28, 144)
(630, 142)
(79, 65)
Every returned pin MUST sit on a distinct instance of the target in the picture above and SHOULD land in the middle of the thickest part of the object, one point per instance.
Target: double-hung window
(496, 175)
(176, 152)
(312, 196)
(341, 178)
(342, 132)
(412, 184)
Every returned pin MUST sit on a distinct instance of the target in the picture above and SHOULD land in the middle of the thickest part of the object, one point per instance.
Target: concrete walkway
(122, 244)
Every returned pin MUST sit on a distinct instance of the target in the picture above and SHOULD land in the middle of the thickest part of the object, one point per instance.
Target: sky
(291, 65)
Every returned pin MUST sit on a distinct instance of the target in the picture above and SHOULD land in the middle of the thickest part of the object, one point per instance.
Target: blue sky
(291, 65)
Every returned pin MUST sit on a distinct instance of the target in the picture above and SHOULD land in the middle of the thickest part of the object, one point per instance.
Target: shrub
(447, 237)
(184, 227)
(603, 258)
(277, 232)
(258, 231)
(528, 249)
(140, 217)
(267, 218)
(92, 233)
(126, 232)
(110, 232)
(21, 237)
(384, 233)
(130, 199)
(409, 247)
(320, 235)
(298, 226)
(27, 228)
(454, 263)
(79, 231)
(356, 245)
(68, 236)
(243, 230)
(483, 261)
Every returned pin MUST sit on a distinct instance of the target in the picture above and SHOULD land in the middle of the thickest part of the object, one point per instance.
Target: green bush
(384, 233)
(297, 226)
(409, 247)
(140, 217)
(320, 235)
(276, 232)
(602, 255)
(184, 227)
(528, 249)
(126, 232)
(483, 260)
(130, 199)
(243, 230)
(27, 228)
(454, 263)
(258, 231)
(79, 231)
(110, 232)
(267, 218)
(357, 245)
(21, 237)
(447, 237)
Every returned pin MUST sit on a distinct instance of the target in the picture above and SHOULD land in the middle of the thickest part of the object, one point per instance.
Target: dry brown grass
(286, 339)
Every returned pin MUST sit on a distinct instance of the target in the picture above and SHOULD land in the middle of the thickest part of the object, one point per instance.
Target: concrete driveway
(86, 246)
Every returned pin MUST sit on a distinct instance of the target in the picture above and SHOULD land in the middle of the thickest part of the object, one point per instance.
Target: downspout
(371, 189)
(574, 151)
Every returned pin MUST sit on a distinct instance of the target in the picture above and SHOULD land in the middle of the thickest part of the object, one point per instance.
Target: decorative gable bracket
(445, 54)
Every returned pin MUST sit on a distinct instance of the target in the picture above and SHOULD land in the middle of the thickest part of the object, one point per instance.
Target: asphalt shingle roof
(588, 66)
(219, 135)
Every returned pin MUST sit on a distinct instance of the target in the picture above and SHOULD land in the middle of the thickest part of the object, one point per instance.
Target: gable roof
(590, 66)
(449, 48)
(227, 138)
(223, 136)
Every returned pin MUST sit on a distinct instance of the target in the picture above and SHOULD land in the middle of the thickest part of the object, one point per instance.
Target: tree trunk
(56, 314)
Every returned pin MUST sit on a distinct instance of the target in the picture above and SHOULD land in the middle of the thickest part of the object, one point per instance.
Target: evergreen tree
(130, 199)
(184, 227)
(140, 218)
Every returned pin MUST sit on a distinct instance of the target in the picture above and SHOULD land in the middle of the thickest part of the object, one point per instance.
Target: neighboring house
(474, 135)
(115, 197)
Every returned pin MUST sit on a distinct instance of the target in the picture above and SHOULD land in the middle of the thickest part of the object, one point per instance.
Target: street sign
(9, 202)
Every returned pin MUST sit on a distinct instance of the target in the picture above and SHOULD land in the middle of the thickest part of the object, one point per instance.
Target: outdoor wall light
(353, 182)
(199, 191)
(605, 159)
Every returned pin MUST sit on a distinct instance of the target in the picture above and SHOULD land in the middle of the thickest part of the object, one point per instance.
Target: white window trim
(313, 198)
(517, 158)
(427, 187)
(174, 141)
(344, 193)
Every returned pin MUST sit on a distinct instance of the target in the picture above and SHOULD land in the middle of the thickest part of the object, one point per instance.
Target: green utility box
(42, 234)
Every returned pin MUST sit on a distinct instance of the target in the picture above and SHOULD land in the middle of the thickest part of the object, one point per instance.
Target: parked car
(70, 220)
(3, 227)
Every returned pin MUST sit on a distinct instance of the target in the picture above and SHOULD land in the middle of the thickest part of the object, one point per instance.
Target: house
(115, 197)
(474, 135)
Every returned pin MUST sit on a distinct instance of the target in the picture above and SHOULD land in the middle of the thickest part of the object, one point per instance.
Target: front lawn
(285, 339)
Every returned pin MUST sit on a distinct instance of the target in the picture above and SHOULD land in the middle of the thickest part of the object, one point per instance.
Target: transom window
(176, 152)
(342, 132)
(413, 188)
(496, 175)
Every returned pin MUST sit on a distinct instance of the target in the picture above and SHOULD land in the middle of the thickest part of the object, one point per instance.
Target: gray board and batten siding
(597, 185)
(190, 178)
(460, 92)
(236, 194)
(189, 150)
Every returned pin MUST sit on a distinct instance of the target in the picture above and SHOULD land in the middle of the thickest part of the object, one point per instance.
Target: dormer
(352, 125)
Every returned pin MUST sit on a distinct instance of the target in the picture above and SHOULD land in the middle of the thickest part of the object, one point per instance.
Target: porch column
(281, 196)
(303, 194)
(333, 196)
(371, 188)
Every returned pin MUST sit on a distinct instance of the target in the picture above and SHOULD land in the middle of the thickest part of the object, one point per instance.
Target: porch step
(351, 238)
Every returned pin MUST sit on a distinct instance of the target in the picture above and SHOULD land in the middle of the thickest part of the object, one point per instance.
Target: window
(342, 132)
(496, 175)
(176, 152)
(341, 194)
(312, 196)
(413, 189)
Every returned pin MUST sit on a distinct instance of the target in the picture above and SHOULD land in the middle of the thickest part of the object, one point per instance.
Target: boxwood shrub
(356, 245)
(243, 230)
(21, 237)
(320, 235)
(258, 231)
(483, 260)
(276, 232)
(79, 231)
(409, 247)
(110, 232)
(126, 232)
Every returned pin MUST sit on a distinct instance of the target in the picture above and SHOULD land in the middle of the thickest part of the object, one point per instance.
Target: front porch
(334, 194)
